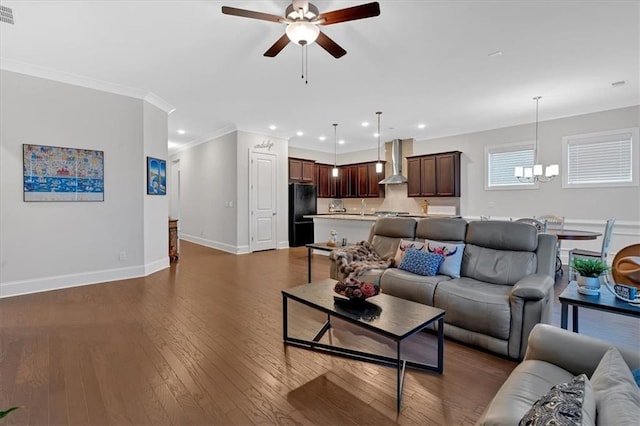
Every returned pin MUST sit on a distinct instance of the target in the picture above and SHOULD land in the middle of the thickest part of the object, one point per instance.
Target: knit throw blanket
(353, 261)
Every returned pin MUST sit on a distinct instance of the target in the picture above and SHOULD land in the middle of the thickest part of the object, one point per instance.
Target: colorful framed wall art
(52, 173)
(156, 176)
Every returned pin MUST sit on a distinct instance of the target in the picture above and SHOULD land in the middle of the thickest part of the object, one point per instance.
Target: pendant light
(378, 164)
(534, 174)
(334, 172)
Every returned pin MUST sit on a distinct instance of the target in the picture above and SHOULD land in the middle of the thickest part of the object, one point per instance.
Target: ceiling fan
(303, 18)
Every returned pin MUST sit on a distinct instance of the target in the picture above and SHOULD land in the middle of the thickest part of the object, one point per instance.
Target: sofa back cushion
(446, 229)
(387, 233)
(500, 252)
(497, 266)
(502, 235)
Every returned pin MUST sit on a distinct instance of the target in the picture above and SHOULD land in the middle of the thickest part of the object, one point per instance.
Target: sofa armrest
(533, 287)
(574, 352)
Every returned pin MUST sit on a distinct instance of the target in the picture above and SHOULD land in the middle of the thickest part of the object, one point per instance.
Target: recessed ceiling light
(299, 133)
(272, 127)
(421, 126)
(365, 124)
(375, 135)
(341, 142)
(181, 132)
(619, 83)
(494, 54)
(322, 138)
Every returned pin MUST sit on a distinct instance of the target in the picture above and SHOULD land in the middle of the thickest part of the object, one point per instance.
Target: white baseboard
(214, 244)
(156, 266)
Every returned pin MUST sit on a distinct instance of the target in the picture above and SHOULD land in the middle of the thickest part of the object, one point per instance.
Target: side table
(605, 301)
(316, 246)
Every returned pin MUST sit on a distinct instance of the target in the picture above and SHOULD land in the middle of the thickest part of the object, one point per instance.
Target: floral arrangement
(355, 289)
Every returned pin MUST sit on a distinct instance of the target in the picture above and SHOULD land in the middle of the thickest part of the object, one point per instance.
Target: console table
(173, 240)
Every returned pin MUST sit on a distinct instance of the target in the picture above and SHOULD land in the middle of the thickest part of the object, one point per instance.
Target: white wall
(208, 180)
(156, 207)
(46, 245)
(215, 173)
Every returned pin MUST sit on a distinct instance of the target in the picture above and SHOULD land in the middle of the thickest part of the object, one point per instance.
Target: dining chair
(541, 225)
(602, 254)
(556, 223)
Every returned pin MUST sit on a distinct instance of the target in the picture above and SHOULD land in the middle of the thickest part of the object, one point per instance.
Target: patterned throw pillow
(421, 262)
(452, 256)
(562, 405)
(403, 246)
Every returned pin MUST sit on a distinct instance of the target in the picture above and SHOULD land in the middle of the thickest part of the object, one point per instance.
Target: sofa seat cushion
(530, 380)
(476, 306)
(407, 285)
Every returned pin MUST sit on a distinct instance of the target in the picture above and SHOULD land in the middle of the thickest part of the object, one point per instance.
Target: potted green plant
(589, 271)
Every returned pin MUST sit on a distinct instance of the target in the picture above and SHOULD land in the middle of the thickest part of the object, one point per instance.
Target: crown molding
(206, 138)
(82, 81)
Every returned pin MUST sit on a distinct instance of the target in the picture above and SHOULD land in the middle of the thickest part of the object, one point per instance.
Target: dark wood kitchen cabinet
(326, 184)
(301, 170)
(353, 181)
(374, 189)
(434, 175)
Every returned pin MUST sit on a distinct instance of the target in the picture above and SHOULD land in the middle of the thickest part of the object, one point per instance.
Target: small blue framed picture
(156, 176)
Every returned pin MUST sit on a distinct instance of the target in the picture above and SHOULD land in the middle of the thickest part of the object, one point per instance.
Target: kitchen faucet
(363, 206)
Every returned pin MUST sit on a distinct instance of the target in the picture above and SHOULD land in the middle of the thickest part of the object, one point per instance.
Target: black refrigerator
(302, 202)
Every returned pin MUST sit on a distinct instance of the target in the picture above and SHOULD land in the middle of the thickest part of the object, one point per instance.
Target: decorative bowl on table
(355, 290)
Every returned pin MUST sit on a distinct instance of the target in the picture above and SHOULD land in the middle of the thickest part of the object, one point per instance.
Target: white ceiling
(418, 62)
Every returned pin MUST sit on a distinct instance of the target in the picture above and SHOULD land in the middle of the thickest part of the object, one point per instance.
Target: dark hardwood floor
(201, 343)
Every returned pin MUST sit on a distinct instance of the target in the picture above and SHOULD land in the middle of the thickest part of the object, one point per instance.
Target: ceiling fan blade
(250, 14)
(351, 13)
(277, 46)
(330, 46)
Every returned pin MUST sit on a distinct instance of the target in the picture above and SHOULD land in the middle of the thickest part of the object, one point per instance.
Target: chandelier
(532, 174)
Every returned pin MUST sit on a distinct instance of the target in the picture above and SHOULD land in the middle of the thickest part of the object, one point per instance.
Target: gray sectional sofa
(556, 356)
(505, 285)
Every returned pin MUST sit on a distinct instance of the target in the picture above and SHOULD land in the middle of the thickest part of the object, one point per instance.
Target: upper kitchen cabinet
(353, 181)
(434, 175)
(301, 170)
(374, 189)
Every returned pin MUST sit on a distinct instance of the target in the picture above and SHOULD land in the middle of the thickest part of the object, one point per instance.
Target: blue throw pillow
(421, 262)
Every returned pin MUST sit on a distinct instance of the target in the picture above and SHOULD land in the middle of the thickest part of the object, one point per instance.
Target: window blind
(501, 166)
(600, 160)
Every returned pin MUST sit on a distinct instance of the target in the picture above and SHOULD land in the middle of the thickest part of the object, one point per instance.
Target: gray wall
(45, 245)
(550, 198)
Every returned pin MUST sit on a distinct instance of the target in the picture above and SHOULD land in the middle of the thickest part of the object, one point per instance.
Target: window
(603, 159)
(501, 162)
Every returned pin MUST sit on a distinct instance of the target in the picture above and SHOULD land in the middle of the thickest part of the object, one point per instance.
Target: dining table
(570, 234)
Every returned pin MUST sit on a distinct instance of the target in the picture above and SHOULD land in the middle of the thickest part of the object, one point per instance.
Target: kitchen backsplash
(395, 200)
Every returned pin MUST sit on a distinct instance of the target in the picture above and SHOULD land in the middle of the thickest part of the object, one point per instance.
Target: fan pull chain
(304, 65)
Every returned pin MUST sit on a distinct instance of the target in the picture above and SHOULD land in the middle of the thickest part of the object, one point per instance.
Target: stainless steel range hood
(396, 165)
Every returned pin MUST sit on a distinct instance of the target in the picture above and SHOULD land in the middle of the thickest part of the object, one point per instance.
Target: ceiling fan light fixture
(302, 33)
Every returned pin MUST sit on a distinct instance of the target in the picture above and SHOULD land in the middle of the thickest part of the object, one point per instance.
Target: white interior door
(263, 201)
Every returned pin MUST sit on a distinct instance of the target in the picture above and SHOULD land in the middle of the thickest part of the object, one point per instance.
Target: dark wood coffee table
(605, 301)
(389, 316)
